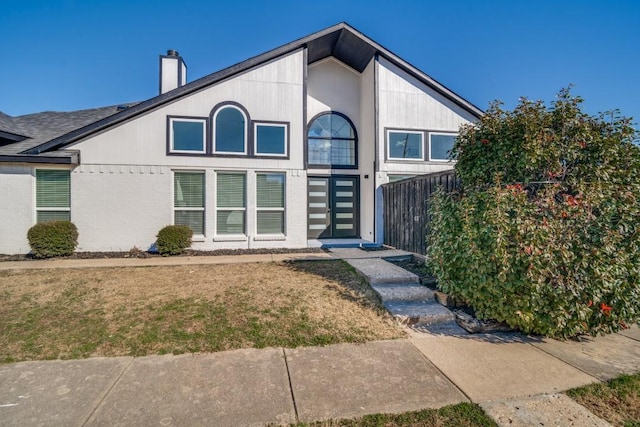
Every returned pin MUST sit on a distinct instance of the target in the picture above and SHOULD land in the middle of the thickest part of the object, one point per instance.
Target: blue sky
(64, 55)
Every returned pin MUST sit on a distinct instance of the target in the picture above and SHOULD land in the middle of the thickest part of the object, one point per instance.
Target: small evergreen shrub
(53, 238)
(545, 232)
(173, 239)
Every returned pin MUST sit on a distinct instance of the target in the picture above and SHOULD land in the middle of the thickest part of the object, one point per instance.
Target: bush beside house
(544, 233)
(53, 238)
(173, 239)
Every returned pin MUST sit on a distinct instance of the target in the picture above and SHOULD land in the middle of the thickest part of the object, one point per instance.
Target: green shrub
(173, 239)
(544, 233)
(53, 238)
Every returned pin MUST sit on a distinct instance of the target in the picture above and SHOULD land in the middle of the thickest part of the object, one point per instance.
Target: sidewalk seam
(104, 396)
(293, 397)
(568, 364)
(442, 372)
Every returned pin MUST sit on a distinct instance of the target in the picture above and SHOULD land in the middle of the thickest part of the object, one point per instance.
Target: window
(332, 142)
(440, 145)
(271, 139)
(230, 131)
(53, 195)
(396, 178)
(405, 145)
(231, 203)
(270, 191)
(187, 135)
(188, 200)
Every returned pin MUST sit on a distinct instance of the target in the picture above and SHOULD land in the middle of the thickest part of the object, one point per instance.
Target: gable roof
(340, 41)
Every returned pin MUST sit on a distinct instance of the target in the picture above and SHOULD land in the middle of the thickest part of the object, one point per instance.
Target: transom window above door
(332, 142)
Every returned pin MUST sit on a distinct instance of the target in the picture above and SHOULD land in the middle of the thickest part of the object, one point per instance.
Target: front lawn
(76, 313)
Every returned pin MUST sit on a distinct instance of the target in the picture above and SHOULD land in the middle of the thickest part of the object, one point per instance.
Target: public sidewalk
(516, 379)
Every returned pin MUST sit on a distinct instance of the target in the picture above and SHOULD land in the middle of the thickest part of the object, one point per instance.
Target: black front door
(332, 207)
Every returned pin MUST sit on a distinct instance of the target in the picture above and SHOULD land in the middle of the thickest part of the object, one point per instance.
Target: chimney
(173, 71)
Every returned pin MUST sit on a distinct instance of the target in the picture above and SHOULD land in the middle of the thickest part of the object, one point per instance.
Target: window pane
(319, 152)
(270, 222)
(405, 145)
(340, 127)
(270, 139)
(441, 146)
(188, 136)
(230, 222)
(343, 152)
(44, 216)
(53, 189)
(230, 130)
(321, 127)
(230, 190)
(188, 190)
(270, 190)
(193, 219)
(396, 178)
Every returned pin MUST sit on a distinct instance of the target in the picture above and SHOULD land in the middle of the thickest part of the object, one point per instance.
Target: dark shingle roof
(39, 128)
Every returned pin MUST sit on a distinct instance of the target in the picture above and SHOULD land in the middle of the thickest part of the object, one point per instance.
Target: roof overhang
(71, 159)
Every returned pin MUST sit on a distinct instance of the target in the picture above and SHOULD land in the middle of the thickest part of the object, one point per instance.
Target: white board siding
(406, 103)
(271, 92)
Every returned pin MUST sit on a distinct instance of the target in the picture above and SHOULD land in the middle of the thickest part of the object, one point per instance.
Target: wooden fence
(406, 209)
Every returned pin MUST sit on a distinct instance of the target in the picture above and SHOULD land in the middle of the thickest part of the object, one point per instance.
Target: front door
(332, 209)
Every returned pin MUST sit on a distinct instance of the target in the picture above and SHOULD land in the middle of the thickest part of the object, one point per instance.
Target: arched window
(230, 130)
(332, 141)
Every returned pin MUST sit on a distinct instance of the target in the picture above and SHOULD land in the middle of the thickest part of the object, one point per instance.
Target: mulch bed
(144, 254)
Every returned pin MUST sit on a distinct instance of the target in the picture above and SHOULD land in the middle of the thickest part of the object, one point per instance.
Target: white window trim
(255, 139)
(214, 128)
(204, 135)
(404, 159)
(454, 134)
(35, 196)
(195, 237)
(283, 209)
(230, 237)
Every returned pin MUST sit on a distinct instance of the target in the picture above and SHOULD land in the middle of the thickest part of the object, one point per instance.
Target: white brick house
(280, 150)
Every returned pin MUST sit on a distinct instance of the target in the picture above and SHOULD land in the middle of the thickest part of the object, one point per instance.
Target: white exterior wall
(122, 194)
(406, 103)
(334, 86)
(17, 207)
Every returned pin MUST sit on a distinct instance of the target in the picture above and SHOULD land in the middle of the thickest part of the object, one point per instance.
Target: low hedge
(53, 238)
(173, 239)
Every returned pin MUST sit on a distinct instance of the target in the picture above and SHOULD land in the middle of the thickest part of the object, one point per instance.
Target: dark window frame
(205, 142)
(287, 146)
(354, 139)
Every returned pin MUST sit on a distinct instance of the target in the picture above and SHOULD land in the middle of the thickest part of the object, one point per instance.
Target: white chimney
(173, 71)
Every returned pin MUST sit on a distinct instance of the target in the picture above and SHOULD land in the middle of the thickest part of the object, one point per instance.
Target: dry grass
(460, 415)
(617, 401)
(74, 313)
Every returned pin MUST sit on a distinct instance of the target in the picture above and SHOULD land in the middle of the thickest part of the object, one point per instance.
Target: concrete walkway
(516, 379)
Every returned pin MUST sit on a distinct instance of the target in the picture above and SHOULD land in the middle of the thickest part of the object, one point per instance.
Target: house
(280, 150)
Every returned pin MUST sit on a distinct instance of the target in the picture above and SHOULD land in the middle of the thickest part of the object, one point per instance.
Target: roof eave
(72, 159)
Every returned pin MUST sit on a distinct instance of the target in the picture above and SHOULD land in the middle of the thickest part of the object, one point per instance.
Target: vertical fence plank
(406, 207)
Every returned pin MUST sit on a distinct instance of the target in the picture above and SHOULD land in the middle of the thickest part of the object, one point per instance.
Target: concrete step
(404, 292)
(378, 271)
(419, 312)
